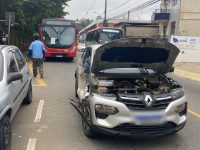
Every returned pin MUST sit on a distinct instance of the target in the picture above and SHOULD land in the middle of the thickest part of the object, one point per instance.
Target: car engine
(154, 85)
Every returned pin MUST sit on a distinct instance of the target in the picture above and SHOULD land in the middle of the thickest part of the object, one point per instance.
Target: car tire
(5, 133)
(28, 99)
(88, 131)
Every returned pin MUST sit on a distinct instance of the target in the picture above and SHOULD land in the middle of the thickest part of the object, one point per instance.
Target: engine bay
(154, 85)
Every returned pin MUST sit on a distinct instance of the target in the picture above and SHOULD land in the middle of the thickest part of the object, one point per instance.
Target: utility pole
(9, 24)
(128, 16)
(105, 18)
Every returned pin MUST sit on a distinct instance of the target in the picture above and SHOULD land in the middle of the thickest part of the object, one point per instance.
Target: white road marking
(31, 144)
(39, 111)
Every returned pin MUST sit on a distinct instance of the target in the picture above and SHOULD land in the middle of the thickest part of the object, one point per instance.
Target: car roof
(4, 46)
(1, 47)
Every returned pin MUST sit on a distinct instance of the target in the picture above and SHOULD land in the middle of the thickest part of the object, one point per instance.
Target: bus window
(109, 36)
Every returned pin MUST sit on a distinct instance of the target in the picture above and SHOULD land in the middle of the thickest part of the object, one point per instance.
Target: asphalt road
(51, 123)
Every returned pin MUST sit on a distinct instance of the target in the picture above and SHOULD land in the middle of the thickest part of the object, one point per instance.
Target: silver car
(15, 88)
(123, 89)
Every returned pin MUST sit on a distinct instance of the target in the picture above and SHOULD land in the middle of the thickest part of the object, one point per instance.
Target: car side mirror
(14, 77)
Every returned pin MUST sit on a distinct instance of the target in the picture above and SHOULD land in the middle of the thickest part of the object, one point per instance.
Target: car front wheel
(5, 133)
(87, 125)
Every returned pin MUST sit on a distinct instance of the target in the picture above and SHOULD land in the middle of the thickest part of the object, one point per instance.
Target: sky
(84, 9)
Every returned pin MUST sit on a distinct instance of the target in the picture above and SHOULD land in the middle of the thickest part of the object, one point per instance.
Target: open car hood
(145, 53)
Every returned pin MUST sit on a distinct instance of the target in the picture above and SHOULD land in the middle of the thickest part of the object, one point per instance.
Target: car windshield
(1, 67)
(58, 36)
(106, 36)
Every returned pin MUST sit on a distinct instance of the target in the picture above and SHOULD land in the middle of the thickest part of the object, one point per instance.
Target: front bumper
(140, 131)
(171, 121)
(60, 54)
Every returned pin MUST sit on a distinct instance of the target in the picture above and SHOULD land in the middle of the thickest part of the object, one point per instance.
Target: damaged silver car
(122, 89)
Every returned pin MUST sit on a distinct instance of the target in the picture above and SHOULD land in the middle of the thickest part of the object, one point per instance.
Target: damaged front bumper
(135, 122)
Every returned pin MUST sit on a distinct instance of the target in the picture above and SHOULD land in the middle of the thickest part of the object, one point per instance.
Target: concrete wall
(189, 24)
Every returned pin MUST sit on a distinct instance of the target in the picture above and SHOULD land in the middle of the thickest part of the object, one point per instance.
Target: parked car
(15, 88)
(123, 89)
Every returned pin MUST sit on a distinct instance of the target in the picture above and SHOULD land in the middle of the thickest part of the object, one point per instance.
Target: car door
(14, 87)
(82, 75)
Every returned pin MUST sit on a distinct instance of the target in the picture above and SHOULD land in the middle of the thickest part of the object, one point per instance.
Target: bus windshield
(106, 36)
(58, 36)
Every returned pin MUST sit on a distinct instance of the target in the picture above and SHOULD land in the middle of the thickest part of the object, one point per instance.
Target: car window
(20, 60)
(89, 37)
(1, 66)
(12, 65)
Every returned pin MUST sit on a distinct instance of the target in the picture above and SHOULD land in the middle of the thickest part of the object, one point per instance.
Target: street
(51, 123)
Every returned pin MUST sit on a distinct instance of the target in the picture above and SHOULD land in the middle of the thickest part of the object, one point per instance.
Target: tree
(30, 12)
(83, 23)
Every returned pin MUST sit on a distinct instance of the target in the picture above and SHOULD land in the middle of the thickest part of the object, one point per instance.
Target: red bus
(59, 37)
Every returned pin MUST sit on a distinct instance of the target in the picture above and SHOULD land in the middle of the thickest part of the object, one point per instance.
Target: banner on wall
(186, 42)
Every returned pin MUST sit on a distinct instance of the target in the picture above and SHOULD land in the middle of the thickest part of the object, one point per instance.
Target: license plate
(149, 118)
(59, 56)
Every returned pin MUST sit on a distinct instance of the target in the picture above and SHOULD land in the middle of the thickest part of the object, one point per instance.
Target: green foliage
(83, 23)
(29, 13)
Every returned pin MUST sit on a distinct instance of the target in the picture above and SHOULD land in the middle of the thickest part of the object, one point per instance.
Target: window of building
(174, 3)
(173, 27)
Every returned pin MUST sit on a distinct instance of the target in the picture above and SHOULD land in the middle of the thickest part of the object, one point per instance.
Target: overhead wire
(90, 8)
(119, 5)
(137, 8)
(146, 11)
(116, 7)
(124, 8)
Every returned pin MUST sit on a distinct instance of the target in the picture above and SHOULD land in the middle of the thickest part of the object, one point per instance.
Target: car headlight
(178, 94)
(182, 109)
(106, 110)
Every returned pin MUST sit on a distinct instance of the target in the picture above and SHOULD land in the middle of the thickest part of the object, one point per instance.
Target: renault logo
(148, 100)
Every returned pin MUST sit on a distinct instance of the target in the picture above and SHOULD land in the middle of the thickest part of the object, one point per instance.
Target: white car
(123, 89)
(15, 89)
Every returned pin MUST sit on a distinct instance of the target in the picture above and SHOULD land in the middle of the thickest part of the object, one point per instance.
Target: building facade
(178, 17)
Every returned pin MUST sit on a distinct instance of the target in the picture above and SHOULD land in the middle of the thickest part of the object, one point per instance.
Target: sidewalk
(188, 70)
(190, 67)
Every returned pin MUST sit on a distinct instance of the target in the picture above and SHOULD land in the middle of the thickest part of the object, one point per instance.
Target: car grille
(145, 129)
(140, 105)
